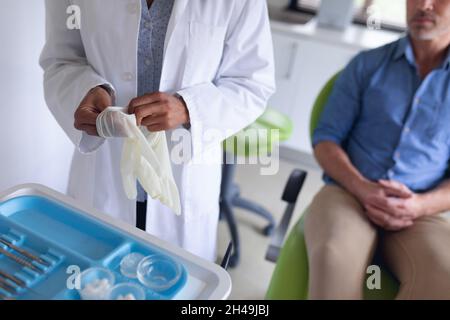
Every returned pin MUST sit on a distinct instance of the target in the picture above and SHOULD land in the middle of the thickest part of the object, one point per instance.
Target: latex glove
(145, 157)
(114, 122)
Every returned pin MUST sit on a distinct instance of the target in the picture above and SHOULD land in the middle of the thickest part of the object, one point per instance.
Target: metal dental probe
(24, 252)
(5, 298)
(14, 279)
(21, 261)
(7, 287)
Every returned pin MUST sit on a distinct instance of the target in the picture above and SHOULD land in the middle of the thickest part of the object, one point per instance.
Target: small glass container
(95, 283)
(159, 272)
(126, 291)
(129, 264)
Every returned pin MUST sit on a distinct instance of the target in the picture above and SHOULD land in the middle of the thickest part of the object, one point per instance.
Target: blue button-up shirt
(152, 35)
(392, 123)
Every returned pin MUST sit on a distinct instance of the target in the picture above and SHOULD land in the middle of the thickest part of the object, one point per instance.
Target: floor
(251, 278)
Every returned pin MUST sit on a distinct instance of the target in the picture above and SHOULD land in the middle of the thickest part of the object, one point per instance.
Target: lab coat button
(127, 76)
(132, 8)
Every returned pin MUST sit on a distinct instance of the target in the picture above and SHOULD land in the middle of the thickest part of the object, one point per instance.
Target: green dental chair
(255, 141)
(290, 277)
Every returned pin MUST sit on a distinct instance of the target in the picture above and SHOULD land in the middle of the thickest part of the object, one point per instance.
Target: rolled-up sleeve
(343, 106)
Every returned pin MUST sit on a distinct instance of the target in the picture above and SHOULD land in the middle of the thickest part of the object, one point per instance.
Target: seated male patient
(384, 144)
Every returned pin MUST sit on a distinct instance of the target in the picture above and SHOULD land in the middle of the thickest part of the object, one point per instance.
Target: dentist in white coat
(217, 74)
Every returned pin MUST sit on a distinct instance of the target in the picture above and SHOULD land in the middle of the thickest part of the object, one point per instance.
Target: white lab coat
(218, 56)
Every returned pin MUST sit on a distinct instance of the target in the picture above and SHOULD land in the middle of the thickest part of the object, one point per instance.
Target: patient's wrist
(426, 205)
(356, 185)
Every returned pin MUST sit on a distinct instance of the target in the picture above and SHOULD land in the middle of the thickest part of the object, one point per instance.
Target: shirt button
(397, 155)
(132, 8)
(147, 62)
(407, 130)
(127, 76)
(147, 25)
(417, 101)
(390, 173)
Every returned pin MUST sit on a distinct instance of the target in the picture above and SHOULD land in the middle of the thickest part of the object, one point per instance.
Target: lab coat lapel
(177, 12)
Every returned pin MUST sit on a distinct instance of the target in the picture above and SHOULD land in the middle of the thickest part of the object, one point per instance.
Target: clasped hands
(157, 111)
(390, 204)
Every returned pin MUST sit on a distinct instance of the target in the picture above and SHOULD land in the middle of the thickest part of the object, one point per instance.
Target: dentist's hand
(96, 100)
(159, 111)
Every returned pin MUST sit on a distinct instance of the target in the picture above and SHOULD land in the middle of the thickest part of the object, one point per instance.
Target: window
(391, 14)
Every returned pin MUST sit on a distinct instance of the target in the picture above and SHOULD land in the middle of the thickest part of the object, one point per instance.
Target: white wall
(32, 146)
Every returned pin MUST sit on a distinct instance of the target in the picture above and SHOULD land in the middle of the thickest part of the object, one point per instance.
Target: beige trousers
(341, 242)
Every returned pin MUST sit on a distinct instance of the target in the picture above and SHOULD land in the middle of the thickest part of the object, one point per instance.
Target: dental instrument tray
(50, 246)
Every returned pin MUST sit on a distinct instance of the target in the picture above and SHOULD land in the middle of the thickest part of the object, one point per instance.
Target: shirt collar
(404, 49)
(447, 60)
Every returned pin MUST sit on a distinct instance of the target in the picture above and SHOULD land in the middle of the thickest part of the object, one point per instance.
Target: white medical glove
(145, 157)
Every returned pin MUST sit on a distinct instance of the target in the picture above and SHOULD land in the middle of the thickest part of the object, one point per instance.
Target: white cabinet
(318, 63)
(303, 66)
(286, 50)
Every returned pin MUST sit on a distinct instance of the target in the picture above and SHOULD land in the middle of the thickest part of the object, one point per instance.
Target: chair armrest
(290, 195)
